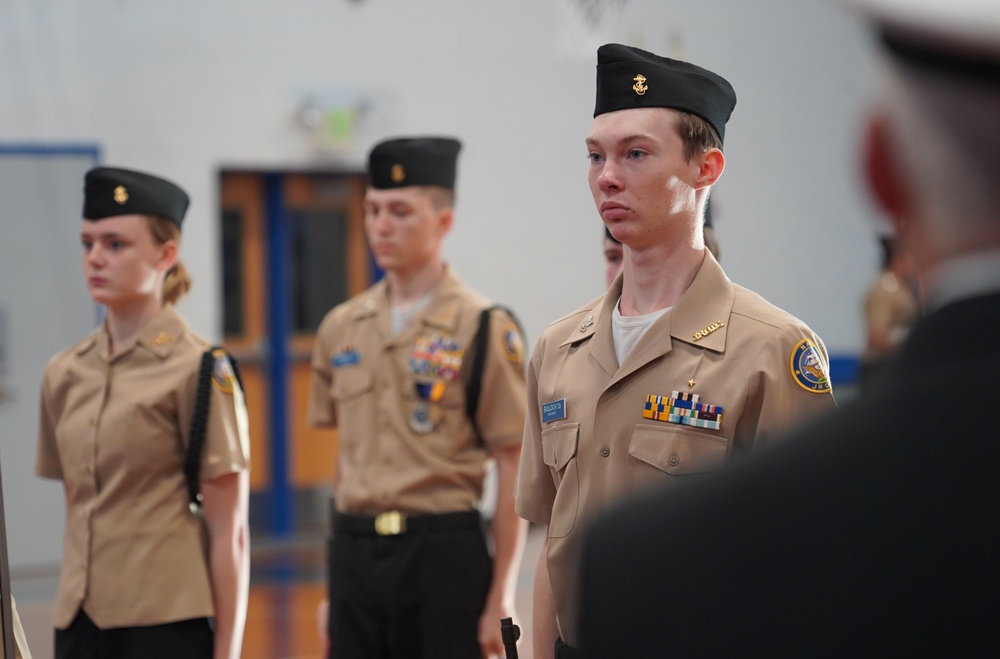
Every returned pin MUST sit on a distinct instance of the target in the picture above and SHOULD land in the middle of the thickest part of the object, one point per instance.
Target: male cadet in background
(874, 534)
(675, 370)
(708, 230)
(613, 258)
(410, 570)
(891, 306)
(613, 250)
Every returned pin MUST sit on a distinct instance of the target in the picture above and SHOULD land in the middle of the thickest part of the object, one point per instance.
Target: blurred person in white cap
(874, 533)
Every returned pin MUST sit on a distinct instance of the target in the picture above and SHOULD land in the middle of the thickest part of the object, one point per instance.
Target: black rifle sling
(473, 388)
(199, 421)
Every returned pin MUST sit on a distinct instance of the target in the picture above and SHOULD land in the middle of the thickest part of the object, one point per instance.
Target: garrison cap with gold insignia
(628, 77)
(404, 161)
(111, 191)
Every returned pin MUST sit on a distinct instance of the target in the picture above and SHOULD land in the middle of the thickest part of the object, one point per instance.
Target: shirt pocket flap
(559, 444)
(678, 450)
(351, 382)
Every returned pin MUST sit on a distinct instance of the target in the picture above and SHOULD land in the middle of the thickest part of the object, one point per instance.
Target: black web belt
(394, 522)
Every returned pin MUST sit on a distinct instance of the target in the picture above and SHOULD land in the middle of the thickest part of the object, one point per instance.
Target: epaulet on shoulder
(587, 308)
(58, 363)
(349, 307)
(83, 344)
(61, 356)
(751, 305)
(480, 301)
(497, 310)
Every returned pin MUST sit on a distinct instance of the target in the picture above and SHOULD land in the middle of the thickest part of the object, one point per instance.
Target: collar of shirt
(708, 300)
(158, 337)
(443, 312)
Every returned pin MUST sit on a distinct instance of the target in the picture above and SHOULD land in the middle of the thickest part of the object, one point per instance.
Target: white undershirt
(400, 316)
(627, 331)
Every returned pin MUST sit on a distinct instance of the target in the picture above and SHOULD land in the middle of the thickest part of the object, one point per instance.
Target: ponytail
(178, 280)
(176, 284)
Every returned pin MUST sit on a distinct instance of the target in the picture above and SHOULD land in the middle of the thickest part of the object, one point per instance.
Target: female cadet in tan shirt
(142, 574)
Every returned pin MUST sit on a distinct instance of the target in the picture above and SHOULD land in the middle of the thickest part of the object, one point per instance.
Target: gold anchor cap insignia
(640, 86)
(587, 323)
(121, 195)
(397, 173)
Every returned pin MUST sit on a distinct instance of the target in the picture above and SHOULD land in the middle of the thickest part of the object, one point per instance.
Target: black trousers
(564, 651)
(186, 639)
(413, 596)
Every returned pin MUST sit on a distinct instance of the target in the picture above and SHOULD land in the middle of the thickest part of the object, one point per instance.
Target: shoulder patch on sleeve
(511, 343)
(223, 376)
(807, 368)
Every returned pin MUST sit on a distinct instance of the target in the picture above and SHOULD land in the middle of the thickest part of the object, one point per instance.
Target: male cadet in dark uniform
(674, 370)
(875, 533)
(410, 573)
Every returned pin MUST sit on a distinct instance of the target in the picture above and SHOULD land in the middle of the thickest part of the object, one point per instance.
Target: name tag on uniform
(348, 358)
(554, 411)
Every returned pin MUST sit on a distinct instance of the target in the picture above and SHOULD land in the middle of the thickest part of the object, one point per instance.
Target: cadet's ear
(446, 219)
(169, 252)
(710, 168)
(882, 169)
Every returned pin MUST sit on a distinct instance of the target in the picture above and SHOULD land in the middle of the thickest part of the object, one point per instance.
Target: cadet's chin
(101, 295)
(385, 262)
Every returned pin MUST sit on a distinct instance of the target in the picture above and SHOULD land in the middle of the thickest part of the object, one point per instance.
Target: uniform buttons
(674, 460)
(605, 451)
(615, 387)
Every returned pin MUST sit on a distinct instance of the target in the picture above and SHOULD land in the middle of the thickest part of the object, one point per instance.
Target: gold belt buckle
(391, 522)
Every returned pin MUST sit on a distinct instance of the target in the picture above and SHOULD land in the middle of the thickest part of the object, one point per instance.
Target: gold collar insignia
(708, 330)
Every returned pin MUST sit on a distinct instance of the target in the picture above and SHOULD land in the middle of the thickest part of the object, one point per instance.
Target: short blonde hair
(697, 135)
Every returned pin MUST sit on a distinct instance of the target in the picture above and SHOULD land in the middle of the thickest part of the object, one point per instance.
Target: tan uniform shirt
(589, 439)
(406, 442)
(114, 429)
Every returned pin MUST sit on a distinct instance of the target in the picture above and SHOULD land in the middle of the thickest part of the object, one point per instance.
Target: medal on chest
(684, 409)
(434, 363)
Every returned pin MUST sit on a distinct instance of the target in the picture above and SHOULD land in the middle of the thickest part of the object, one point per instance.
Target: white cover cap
(969, 27)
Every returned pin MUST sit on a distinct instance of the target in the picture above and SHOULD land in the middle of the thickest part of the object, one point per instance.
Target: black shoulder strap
(199, 421)
(474, 386)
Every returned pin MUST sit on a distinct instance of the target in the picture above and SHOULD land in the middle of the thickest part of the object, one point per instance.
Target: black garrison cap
(404, 161)
(111, 191)
(628, 77)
